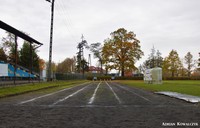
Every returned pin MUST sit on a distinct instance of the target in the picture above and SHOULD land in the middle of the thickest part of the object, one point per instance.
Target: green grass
(186, 86)
(15, 90)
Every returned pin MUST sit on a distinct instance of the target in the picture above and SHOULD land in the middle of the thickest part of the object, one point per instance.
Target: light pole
(51, 40)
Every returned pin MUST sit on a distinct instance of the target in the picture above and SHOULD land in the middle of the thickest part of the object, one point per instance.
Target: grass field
(15, 90)
(186, 86)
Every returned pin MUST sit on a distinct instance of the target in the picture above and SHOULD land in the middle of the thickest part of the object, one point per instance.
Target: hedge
(141, 78)
(182, 78)
(115, 78)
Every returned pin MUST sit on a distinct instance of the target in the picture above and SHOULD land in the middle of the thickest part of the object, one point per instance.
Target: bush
(99, 77)
(116, 78)
(182, 78)
(129, 78)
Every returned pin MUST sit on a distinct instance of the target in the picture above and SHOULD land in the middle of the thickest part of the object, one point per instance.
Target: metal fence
(69, 76)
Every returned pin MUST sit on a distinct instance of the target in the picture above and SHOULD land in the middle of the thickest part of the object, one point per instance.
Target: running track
(96, 105)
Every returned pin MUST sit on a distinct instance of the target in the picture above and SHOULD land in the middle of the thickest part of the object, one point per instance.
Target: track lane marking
(67, 97)
(39, 97)
(118, 99)
(94, 94)
(133, 93)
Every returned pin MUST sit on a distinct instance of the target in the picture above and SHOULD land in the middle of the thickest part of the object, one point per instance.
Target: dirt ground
(97, 105)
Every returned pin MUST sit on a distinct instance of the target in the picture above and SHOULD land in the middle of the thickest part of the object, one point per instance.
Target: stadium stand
(20, 71)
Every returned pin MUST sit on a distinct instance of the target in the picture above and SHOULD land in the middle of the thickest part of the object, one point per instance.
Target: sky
(164, 24)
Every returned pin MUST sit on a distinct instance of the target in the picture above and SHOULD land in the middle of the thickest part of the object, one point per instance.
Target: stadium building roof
(18, 33)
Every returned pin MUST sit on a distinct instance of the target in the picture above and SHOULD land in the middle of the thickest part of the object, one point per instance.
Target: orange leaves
(123, 47)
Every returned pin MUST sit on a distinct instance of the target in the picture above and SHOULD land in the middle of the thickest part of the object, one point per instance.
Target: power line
(66, 19)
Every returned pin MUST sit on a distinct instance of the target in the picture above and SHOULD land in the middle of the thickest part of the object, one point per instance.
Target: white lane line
(94, 94)
(114, 93)
(67, 97)
(133, 93)
(33, 99)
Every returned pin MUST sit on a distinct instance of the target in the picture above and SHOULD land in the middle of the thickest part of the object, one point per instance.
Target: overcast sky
(164, 24)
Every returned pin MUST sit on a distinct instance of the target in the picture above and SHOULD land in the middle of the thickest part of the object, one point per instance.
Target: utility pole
(89, 60)
(16, 55)
(51, 40)
(199, 61)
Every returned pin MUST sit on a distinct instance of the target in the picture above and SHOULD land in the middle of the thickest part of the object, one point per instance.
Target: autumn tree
(41, 64)
(172, 63)
(165, 67)
(106, 59)
(8, 43)
(67, 66)
(189, 62)
(2, 55)
(182, 71)
(122, 50)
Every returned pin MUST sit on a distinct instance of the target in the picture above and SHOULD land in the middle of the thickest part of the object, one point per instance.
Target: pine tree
(172, 63)
(199, 61)
(189, 62)
(154, 60)
(25, 58)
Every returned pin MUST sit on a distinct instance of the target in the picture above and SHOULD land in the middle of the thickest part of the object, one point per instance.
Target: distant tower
(199, 61)
(89, 60)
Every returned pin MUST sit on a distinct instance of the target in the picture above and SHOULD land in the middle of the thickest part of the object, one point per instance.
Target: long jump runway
(97, 105)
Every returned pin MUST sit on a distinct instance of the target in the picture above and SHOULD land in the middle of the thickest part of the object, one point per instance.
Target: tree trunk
(122, 74)
(172, 74)
(189, 73)
(101, 66)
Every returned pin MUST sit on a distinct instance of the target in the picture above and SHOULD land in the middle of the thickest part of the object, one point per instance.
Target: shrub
(99, 77)
(128, 78)
(182, 78)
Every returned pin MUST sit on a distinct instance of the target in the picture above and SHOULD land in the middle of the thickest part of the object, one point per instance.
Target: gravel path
(97, 105)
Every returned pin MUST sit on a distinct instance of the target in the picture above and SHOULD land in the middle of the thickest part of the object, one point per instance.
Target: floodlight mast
(51, 41)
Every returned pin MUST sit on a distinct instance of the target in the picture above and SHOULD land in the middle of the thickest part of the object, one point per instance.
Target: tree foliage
(154, 60)
(189, 62)
(67, 66)
(82, 66)
(2, 55)
(8, 42)
(41, 64)
(172, 63)
(96, 49)
(80, 59)
(122, 50)
(53, 66)
(25, 57)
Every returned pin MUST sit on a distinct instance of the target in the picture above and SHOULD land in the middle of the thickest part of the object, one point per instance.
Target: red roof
(92, 68)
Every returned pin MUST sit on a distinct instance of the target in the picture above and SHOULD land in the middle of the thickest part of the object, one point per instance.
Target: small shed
(153, 76)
